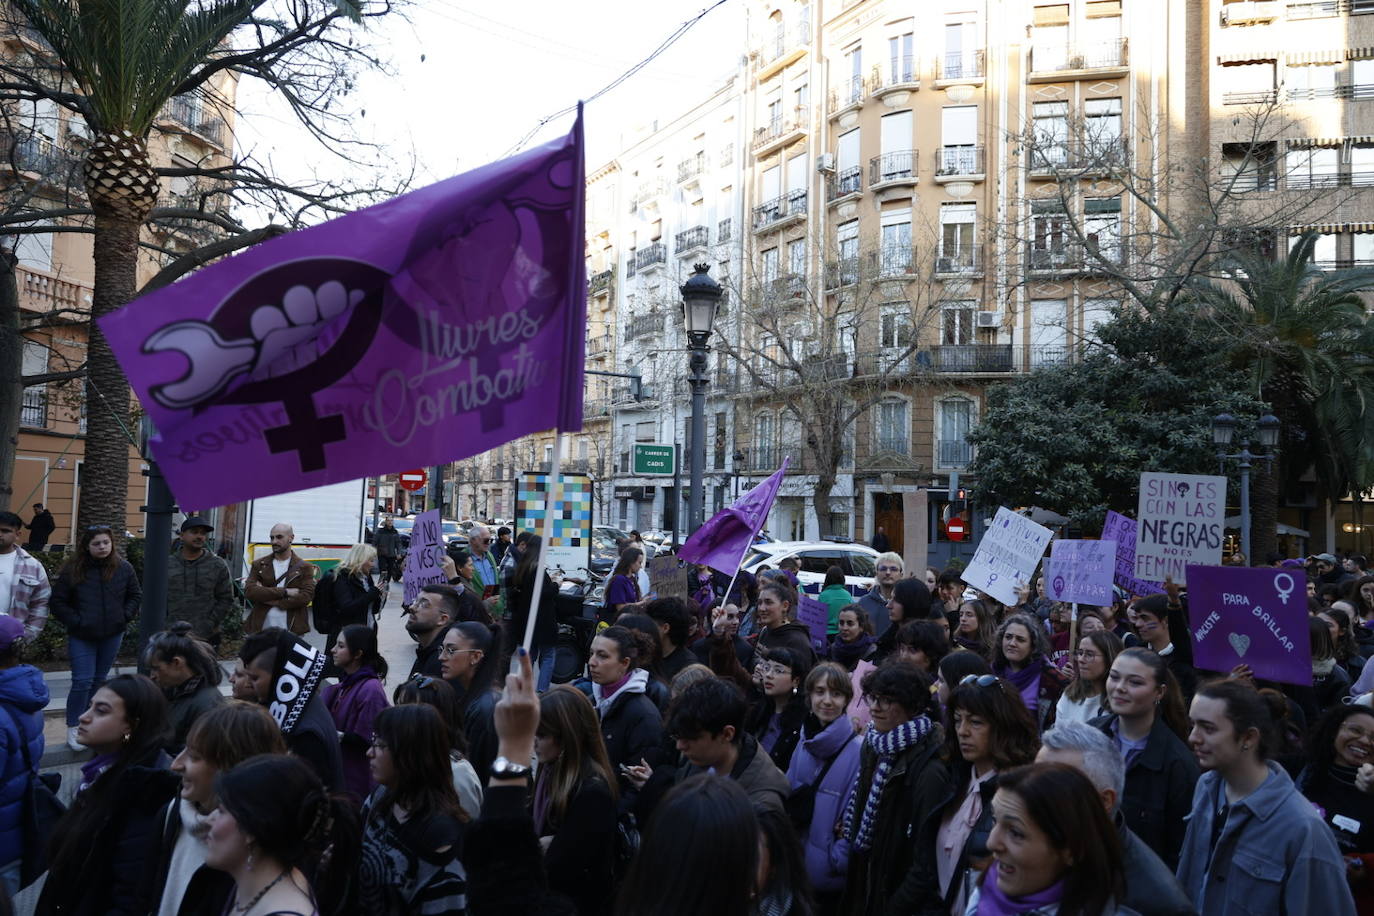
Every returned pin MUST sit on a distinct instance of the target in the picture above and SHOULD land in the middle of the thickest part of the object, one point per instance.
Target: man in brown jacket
(281, 586)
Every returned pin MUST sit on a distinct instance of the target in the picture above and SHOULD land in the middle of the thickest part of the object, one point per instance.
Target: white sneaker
(71, 740)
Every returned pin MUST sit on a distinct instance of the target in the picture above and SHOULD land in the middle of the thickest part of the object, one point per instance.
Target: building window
(1102, 227)
(1097, 312)
(956, 238)
(1049, 244)
(853, 91)
(894, 327)
(956, 419)
(1050, 134)
(896, 255)
(765, 442)
(901, 64)
(1249, 166)
(1102, 128)
(1362, 249)
(1323, 252)
(957, 323)
(718, 443)
(770, 265)
(1313, 167)
(33, 411)
(891, 429)
(796, 257)
(1049, 333)
(848, 244)
(1249, 83)
(1312, 81)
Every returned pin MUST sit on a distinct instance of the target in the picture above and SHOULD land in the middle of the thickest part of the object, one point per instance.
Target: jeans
(544, 658)
(91, 661)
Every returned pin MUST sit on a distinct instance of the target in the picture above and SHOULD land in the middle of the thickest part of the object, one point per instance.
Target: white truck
(327, 521)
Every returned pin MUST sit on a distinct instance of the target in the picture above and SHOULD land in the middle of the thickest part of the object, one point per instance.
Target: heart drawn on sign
(1240, 642)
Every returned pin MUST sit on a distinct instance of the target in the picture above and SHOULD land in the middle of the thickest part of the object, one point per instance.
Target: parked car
(857, 560)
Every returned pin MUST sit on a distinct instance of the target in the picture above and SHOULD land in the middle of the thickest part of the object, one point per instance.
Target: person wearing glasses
(901, 775)
(95, 595)
(777, 717)
(889, 570)
(1148, 725)
(413, 822)
(469, 659)
(988, 730)
(1085, 698)
(484, 567)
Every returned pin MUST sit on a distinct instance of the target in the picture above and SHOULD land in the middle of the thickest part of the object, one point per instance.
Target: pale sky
(491, 72)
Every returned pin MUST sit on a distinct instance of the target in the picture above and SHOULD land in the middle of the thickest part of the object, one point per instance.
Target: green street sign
(654, 460)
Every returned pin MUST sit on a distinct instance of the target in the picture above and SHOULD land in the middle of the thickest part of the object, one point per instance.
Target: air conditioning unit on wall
(825, 163)
(988, 319)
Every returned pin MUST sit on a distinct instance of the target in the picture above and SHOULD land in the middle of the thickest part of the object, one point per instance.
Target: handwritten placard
(425, 557)
(815, 616)
(1007, 555)
(667, 578)
(1256, 617)
(1122, 529)
(1180, 524)
(1080, 571)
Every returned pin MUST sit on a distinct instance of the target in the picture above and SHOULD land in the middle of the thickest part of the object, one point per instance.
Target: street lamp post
(700, 296)
(1223, 430)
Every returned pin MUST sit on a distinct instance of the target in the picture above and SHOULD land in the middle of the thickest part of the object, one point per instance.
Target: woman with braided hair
(275, 824)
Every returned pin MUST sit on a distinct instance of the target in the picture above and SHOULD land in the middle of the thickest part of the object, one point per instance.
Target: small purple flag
(723, 541)
(419, 331)
(1256, 617)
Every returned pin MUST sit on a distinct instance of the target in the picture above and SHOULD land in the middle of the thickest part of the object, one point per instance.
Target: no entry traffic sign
(955, 529)
(414, 480)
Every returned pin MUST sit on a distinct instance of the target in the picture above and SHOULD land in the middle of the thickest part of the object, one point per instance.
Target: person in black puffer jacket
(95, 595)
(630, 722)
(101, 847)
(776, 613)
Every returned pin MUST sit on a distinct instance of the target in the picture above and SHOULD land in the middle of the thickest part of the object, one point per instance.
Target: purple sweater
(354, 703)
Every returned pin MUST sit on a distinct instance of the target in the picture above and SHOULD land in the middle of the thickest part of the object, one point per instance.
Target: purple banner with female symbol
(419, 331)
(1255, 617)
(1080, 571)
(1121, 529)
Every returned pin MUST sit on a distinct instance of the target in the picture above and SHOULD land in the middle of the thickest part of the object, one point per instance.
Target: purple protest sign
(425, 557)
(1080, 571)
(1256, 617)
(1121, 529)
(815, 615)
(363, 345)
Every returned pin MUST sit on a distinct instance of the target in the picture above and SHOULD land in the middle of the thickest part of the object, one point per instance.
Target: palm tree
(1305, 340)
(127, 59)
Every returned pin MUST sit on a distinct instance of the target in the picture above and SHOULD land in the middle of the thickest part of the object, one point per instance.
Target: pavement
(392, 639)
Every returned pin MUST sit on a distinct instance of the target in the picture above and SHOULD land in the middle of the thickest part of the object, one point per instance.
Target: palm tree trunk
(1264, 511)
(11, 368)
(105, 473)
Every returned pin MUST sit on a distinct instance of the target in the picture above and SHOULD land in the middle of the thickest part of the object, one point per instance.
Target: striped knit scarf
(887, 745)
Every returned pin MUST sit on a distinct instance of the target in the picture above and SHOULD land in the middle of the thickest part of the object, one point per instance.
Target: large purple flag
(422, 330)
(722, 542)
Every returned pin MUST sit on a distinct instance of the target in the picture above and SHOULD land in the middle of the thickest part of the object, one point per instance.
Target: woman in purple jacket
(355, 701)
(823, 772)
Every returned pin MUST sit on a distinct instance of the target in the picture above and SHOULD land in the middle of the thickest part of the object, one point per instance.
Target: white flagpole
(552, 496)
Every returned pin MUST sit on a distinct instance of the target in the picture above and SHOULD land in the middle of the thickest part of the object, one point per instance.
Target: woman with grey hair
(1020, 656)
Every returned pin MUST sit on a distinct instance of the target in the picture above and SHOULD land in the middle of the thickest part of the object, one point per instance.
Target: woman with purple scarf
(355, 701)
(1021, 656)
(1054, 849)
(902, 780)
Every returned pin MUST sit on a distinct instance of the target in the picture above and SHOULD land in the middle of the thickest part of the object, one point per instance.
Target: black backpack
(801, 804)
(322, 606)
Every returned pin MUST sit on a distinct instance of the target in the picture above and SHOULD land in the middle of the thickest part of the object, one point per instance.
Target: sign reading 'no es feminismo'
(1180, 523)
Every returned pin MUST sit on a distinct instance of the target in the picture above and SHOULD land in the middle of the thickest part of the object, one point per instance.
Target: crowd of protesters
(935, 752)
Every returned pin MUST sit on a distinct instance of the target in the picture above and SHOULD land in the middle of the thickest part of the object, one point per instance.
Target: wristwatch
(501, 768)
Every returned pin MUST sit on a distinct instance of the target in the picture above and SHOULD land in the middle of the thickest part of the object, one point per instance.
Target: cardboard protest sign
(815, 615)
(667, 578)
(1256, 617)
(1080, 571)
(425, 557)
(1007, 555)
(1180, 524)
(1122, 529)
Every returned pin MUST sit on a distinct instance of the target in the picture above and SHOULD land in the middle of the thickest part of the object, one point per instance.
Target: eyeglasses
(982, 680)
(895, 569)
(450, 651)
(874, 702)
(766, 669)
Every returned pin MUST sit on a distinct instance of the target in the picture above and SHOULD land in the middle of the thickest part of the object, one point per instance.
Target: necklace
(259, 895)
